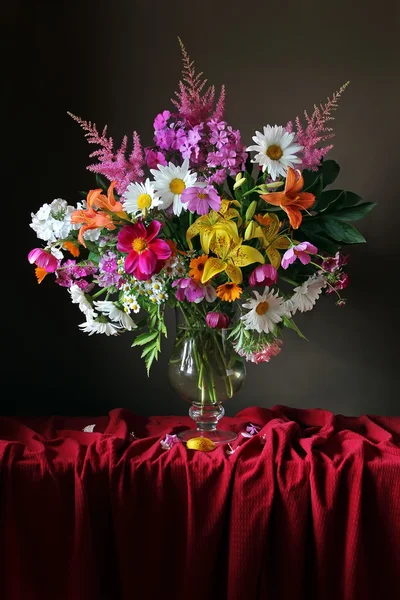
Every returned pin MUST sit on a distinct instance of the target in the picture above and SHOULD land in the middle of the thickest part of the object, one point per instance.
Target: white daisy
(115, 314)
(276, 150)
(170, 181)
(90, 326)
(307, 294)
(265, 311)
(140, 197)
(78, 297)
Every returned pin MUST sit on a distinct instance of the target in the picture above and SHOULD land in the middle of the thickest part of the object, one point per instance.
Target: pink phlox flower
(108, 262)
(161, 120)
(146, 254)
(264, 355)
(169, 441)
(302, 251)
(332, 263)
(217, 320)
(263, 275)
(154, 158)
(337, 281)
(201, 199)
(43, 259)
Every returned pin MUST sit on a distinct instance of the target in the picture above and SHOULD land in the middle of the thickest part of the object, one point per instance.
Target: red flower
(146, 255)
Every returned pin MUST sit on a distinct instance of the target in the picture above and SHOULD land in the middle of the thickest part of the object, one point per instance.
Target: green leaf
(353, 199)
(153, 355)
(330, 170)
(292, 325)
(323, 242)
(94, 257)
(145, 338)
(147, 349)
(329, 198)
(354, 213)
(316, 187)
(340, 230)
(102, 183)
(310, 225)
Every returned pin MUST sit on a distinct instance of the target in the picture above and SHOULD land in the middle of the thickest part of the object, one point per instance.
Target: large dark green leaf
(330, 170)
(340, 230)
(353, 199)
(102, 182)
(354, 213)
(323, 242)
(316, 187)
(327, 198)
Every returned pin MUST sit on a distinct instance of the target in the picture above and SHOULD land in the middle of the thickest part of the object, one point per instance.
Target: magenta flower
(169, 441)
(153, 158)
(146, 254)
(161, 120)
(191, 291)
(263, 275)
(332, 263)
(201, 199)
(43, 259)
(302, 251)
(337, 281)
(217, 320)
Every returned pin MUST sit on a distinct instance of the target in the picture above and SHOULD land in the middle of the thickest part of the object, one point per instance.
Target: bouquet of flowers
(239, 239)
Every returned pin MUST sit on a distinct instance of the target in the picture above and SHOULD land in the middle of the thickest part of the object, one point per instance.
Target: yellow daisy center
(139, 244)
(144, 201)
(262, 308)
(274, 152)
(177, 186)
(201, 195)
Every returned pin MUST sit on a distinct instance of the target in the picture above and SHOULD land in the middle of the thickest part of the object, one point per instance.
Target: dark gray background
(119, 63)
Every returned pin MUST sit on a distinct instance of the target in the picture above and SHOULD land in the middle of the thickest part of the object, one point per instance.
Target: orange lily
(292, 200)
(96, 199)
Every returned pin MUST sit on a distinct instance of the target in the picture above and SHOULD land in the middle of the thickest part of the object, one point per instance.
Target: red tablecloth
(307, 508)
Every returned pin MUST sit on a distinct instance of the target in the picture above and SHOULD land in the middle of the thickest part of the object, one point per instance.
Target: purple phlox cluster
(337, 279)
(188, 289)
(169, 441)
(193, 102)
(115, 165)
(201, 199)
(108, 271)
(212, 147)
(316, 131)
(70, 273)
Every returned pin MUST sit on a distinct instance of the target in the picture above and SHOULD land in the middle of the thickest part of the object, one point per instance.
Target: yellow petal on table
(201, 443)
(212, 267)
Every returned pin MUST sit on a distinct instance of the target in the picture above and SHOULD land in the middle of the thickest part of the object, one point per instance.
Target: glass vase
(205, 370)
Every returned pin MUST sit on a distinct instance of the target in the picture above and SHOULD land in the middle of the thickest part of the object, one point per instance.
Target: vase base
(218, 436)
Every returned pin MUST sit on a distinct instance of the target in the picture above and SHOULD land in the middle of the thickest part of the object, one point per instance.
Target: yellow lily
(268, 234)
(214, 222)
(231, 256)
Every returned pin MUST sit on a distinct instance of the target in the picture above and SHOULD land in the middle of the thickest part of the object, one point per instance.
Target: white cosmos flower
(91, 326)
(265, 311)
(78, 297)
(169, 183)
(307, 294)
(276, 150)
(140, 196)
(115, 314)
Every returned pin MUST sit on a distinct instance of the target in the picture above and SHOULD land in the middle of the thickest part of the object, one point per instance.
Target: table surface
(307, 507)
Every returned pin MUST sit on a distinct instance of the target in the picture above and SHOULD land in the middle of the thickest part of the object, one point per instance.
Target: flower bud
(239, 181)
(250, 230)
(251, 210)
(217, 320)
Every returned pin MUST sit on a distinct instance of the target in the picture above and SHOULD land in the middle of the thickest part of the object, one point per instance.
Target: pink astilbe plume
(191, 103)
(114, 165)
(317, 131)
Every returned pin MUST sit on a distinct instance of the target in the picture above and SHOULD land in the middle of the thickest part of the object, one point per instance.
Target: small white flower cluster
(53, 221)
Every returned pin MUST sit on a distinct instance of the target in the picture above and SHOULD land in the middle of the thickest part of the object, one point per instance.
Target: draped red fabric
(306, 508)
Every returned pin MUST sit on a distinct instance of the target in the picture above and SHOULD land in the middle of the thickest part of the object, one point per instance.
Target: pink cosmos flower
(146, 255)
(263, 275)
(302, 251)
(191, 291)
(217, 320)
(201, 199)
(43, 259)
